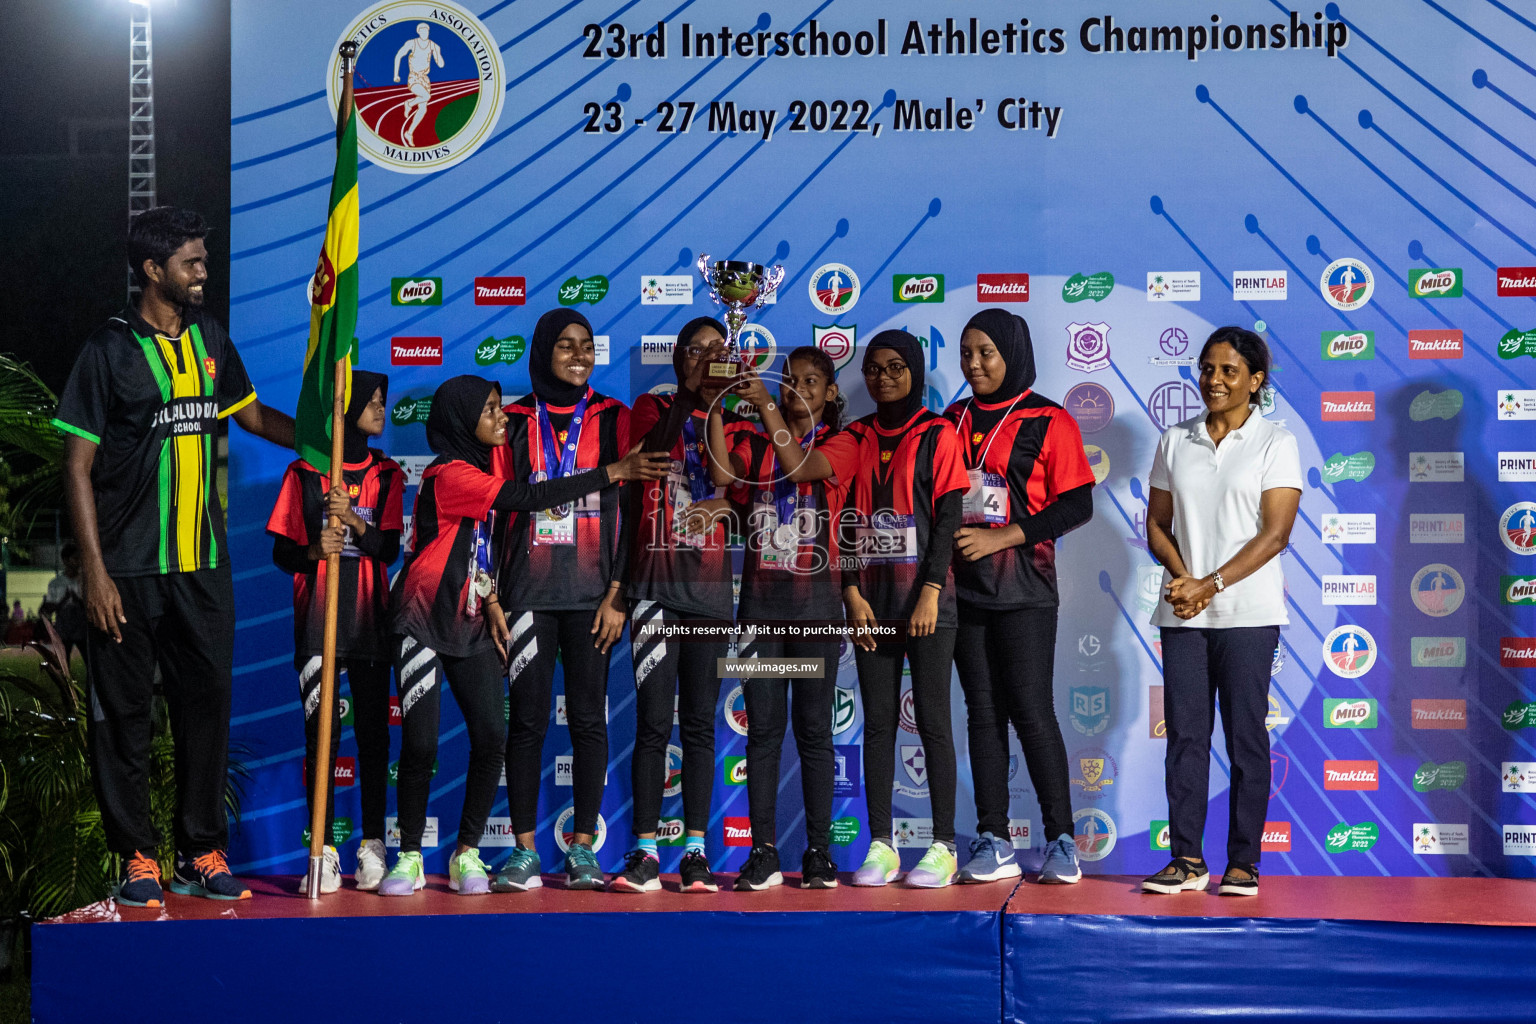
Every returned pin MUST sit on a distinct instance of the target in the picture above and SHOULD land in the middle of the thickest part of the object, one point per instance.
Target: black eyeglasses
(891, 370)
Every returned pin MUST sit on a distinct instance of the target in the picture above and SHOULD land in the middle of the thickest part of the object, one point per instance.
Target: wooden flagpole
(322, 776)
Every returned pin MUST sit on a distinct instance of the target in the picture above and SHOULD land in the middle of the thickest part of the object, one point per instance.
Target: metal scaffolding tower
(141, 121)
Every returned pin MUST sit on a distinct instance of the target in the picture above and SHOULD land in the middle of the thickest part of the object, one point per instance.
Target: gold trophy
(738, 286)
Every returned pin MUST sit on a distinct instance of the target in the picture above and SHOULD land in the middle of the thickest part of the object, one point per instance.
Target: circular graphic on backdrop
(564, 834)
(1091, 405)
(1517, 528)
(1094, 833)
(673, 780)
(1347, 284)
(1437, 589)
(1349, 651)
(834, 288)
(838, 342)
(736, 711)
(429, 84)
(758, 347)
(1174, 402)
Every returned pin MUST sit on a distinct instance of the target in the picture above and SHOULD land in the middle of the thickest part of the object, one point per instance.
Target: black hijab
(1010, 335)
(551, 389)
(894, 414)
(456, 407)
(354, 443)
(685, 336)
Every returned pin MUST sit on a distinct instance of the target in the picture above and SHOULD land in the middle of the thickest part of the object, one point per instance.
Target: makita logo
(416, 351)
(1276, 838)
(346, 771)
(1517, 652)
(1349, 405)
(1439, 714)
(1431, 284)
(1351, 775)
(1002, 287)
(1517, 281)
(501, 291)
(738, 831)
(1437, 344)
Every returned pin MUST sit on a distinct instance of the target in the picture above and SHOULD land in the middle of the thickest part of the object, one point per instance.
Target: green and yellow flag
(332, 311)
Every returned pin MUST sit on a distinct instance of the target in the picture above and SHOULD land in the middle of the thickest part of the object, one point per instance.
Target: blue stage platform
(1325, 949)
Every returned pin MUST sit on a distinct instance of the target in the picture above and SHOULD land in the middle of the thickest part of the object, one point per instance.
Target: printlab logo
(1173, 286)
(1349, 344)
(501, 291)
(1174, 402)
(1087, 346)
(1517, 528)
(1349, 651)
(433, 84)
(1519, 840)
(1173, 342)
(1002, 288)
(666, 290)
(1341, 467)
(1090, 709)
(1091, 405)
(1433, 528)
(1434, 284)
(839, 342)
(1259, 286)
(1517, 467)
(1347, 284)
(834, 288)
(1092, 287)
(917, 287)
(415, 291)
(1437, 590)
(1435, 344)
(1349, 590)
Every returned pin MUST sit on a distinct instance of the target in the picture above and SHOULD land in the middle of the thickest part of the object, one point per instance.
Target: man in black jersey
(148, 390)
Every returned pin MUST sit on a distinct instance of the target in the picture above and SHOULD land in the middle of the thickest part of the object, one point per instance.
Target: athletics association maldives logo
(834, 288)
(1517, 528)
(1094, 833)
(564, 833)
(1349, 651)
(1087, 346)
(1437, 589)
(1347, 284)
(736, 711)
(429, 84)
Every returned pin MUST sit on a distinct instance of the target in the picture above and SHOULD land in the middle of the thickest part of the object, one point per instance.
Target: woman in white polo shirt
(1225, 488)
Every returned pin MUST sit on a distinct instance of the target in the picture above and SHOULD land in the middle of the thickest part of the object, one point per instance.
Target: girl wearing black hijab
(905, 478)
(1029, 484)
(361, 520)
(447, 620)
(562, 586)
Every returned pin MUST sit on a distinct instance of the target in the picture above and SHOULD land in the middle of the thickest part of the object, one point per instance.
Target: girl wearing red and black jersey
(1030, 483)
(362, 521)
(791, 576)
(680, 580)
(447, 617)
(562, 588)
(905, 476)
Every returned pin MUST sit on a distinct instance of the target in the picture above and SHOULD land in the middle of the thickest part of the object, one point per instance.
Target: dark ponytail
(832, 412)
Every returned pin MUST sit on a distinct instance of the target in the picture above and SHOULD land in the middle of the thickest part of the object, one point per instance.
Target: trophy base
(719, 370)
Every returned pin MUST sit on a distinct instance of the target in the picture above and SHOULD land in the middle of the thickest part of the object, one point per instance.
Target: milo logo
(1349, 714)
(577, 290)
(669, 832)
(1521, 714)
(1092, 287)
(1344, 837)
(500, 350)
(1430, 776)
(1349, 344)
(416, 291)
(1515, 344)
(1341, 467)
(410, 410)
(845, 830)
(1517, 589)
(1435, 284)
(918, 287)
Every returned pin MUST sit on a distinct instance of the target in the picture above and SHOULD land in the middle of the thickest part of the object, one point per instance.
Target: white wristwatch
(1220, 583)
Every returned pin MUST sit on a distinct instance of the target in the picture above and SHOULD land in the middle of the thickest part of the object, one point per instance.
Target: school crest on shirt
(209, 366)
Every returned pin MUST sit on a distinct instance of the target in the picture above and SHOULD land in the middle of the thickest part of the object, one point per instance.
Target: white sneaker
(330, 873)
(370, 864)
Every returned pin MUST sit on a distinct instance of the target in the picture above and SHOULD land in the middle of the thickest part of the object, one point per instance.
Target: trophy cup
(738, 286)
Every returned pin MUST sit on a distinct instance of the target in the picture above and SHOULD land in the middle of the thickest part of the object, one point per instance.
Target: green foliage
(31, 450)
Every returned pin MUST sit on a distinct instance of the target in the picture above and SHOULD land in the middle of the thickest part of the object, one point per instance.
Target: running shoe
(761, 871)
(207, 876)
(140, 884)
(1060, 867)
(520, 873)
(467, 874)
(817, 869)
(695, 873)
(991, 859)
(408, 876)
(935, 870)
(371, 865)
(641, 873)
(330, 873)
(1238, 885)
(1179, 876)
(881, 865)
(581, 870)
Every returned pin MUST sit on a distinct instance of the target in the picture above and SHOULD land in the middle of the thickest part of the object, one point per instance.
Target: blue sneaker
(1060, 867)
(520, 873)
(207, 876)
(140, 884)
(581, 870)
(991, 859)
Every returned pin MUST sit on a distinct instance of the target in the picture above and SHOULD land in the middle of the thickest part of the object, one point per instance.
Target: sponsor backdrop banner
(1351, 181)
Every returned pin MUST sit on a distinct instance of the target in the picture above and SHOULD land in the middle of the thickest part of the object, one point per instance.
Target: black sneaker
(761, 871)
(1238, 885)
(1179, 876)
(140, 884)
(696, 874)
(207, 876)
(817, 869)
(641, 874)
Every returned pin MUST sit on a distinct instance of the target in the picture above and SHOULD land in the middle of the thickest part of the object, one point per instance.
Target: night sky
(65, 269)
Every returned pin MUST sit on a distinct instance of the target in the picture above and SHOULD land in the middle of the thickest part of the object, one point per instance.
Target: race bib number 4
(986, 501)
